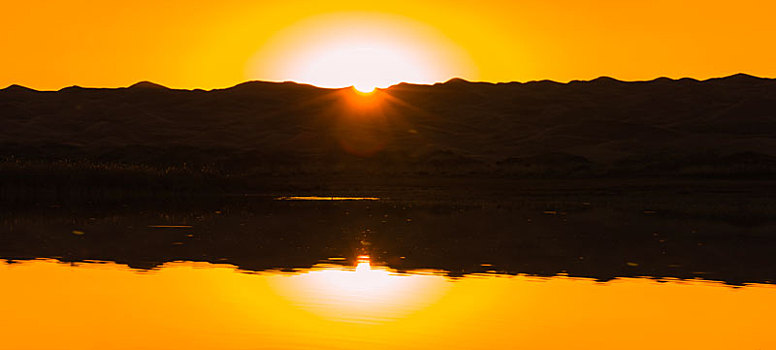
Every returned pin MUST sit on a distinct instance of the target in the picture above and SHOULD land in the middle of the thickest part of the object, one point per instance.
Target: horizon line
(150, 84)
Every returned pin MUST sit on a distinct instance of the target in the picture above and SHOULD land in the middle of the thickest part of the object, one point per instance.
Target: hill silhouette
(723, 127)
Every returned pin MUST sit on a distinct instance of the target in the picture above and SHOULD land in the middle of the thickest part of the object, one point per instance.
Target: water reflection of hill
(719, 236)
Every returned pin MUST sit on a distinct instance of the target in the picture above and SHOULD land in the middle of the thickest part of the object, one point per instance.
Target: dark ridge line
(147, 85)
(19, 88)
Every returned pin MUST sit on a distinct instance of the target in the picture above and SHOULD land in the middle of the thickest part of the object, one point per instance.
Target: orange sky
(209, 44)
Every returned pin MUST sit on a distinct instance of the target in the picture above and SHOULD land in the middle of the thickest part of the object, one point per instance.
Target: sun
(363, 65)
(360, 50)
(365, 88)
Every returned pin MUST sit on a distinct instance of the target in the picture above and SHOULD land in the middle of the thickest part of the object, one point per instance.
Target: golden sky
(211, 44)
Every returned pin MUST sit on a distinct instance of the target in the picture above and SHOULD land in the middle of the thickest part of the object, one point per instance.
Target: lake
(189, 305)
(335, 272)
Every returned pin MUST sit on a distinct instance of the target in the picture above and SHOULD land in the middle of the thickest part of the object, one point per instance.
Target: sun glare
(365, 88)
(362, 51)
(365, 66)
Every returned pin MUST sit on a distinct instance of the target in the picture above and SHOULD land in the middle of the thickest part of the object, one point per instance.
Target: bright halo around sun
(363, 65)
(362, 50)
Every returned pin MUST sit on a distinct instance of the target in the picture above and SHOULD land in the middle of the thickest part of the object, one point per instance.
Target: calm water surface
(186, 305)
(273, 272)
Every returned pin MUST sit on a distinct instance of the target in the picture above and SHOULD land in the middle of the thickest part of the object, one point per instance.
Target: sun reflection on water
(363, 264)
(362, 294)
(325, 198)
(202, 306)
